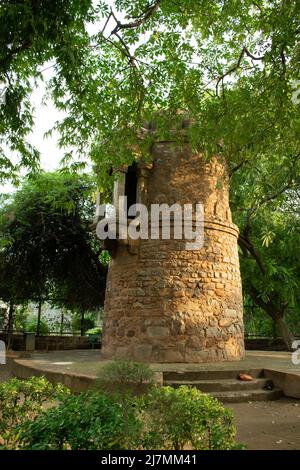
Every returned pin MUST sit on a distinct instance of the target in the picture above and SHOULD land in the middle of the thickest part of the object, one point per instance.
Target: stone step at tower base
(225, 385)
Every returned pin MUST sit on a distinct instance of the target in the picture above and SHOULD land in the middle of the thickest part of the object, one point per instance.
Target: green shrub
(89, 421)
(165, 418)
(21, 400)
(114, 416)
(88, 322)
(104, 257)
(177, 418)
(94, 331)
(32, 326)
(21, 317)
(125, 376)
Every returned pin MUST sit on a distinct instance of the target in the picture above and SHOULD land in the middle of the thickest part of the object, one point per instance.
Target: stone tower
(165, 303)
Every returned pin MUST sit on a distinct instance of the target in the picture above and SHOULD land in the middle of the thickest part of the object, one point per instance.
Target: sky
(45, 117)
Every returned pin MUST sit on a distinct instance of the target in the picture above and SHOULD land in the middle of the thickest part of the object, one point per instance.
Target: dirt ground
(272, 425)
(269, 425)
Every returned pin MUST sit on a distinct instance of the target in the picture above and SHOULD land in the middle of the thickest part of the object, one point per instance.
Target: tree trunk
(38, 326)
(285, 332)
(62, 323)
(82, 324)
(277, 316)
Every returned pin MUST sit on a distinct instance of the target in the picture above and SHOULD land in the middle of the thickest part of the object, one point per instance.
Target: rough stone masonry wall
(166, 304)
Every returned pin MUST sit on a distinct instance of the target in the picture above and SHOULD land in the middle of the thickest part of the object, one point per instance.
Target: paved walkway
(90, 363)
(268, 425)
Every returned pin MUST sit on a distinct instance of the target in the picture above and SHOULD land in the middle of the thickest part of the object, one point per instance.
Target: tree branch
(246, 245)
(4, 63)
(106, 22)
(135, 24)
(244, 51)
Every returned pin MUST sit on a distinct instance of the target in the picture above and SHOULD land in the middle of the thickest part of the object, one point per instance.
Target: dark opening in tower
(131, 186)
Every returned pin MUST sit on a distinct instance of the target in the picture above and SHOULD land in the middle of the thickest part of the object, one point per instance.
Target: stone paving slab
(90, 363)
(78, 370)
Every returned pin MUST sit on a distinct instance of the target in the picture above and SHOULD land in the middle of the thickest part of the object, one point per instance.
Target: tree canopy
(48, 250)
(266, 207)
(229, 64)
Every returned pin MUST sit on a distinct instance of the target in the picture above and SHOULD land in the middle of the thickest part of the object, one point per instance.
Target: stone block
(230, 313)
(121, 352)
(157, 331)
(177, 327)
(130, 333)
(173, 356)
(225, 321)
(195, 342)
(213, 332)
(142, 352)
(193, 355)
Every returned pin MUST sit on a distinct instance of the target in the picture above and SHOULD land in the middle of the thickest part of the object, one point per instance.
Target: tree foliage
(22, 401)
(48, 250)
(230, 65)
(266, 205)
(32, 32)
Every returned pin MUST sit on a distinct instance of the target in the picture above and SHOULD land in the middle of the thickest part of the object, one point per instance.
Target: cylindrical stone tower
(165, 303)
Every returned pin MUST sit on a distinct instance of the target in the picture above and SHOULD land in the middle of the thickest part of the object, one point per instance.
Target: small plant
(94, 331)
(125, 376)
(87, 324)
(22, 400)
(104, 257)
(32, 326)
(177, 418)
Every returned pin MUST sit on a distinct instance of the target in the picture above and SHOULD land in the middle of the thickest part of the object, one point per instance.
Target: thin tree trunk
(62, 323)
(285, 332)
(82, 324)
(270, 307)
(277, 316)
(38, 326)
